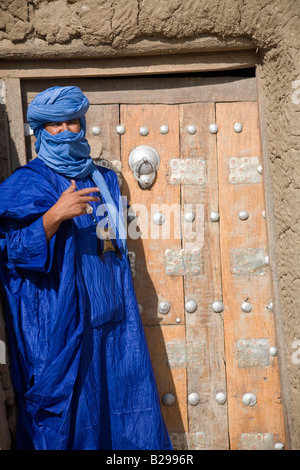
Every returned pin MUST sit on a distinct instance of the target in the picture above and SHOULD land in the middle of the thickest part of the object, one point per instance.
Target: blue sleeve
(27, 247)
(26, 196)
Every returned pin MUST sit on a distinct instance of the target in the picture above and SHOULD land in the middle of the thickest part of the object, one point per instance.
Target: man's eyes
(57, 124)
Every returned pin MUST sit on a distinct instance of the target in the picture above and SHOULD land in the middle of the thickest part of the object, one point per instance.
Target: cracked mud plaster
(42, 29)
(118, 22)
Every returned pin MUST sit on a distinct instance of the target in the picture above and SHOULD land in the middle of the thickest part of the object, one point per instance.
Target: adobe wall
(41, 29)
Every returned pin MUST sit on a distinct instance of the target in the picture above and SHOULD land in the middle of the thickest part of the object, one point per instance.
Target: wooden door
(202, 278)
(250, 342)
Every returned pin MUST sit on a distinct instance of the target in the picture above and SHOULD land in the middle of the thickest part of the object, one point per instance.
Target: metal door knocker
(144, 162)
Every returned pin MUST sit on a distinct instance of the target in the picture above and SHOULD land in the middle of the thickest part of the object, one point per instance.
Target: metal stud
(193, 398)
(259, 169)
(213, 128)
(279, 446)
(221, 398)
(249, 399)
(273, 351)
(120, 130)
(266, 261)
(178, 320)
(27, 130)
(164, 129)
(238, 126)
(132, 258)
(164, 307)
(246, 307)
(270, 306)
(189, 216)
(168, 399)
(144, 131)
(140, 308)
(191, 129)
(191, 306)
(159, 218)
(243, 215)
(218, 306)
(96, 130)
(214, 216)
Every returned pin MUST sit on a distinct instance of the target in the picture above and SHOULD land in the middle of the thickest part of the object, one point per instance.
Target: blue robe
(80, 363)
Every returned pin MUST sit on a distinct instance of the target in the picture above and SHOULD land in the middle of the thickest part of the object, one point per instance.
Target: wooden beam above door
(128, 66)
(161, 89)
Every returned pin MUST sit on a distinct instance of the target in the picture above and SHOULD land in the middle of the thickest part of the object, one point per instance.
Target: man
(80, 363)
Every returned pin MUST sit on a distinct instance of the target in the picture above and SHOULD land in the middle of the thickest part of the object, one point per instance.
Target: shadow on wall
(8, 410)
(146, 293)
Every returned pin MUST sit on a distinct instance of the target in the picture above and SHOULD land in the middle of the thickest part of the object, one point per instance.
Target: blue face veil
(68, 153)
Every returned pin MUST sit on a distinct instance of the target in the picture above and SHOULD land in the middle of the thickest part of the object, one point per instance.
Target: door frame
(14, 72)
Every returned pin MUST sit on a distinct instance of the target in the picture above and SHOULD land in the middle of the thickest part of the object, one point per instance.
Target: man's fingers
(83, 191)
(72, 187)
(89, 198)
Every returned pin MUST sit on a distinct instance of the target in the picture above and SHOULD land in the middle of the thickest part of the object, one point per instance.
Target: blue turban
(68, 153)
(57, 104)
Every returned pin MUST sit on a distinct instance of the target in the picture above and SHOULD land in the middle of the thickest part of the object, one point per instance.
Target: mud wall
(49, 29)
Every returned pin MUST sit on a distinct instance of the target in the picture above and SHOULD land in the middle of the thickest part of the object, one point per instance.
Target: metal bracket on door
(187, 171)
(252, 353)
(183, 355)
(256, 441)
(188, 440)
(244, 170)
(182, 262)
(248, 262)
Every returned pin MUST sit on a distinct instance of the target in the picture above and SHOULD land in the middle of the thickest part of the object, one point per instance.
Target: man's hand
(71, 204)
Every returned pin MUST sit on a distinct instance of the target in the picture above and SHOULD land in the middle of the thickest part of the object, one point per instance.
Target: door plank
(204, 326)
(152, 285)
(170, 376)
(14, 111)
(105, 145)
(245, 276)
